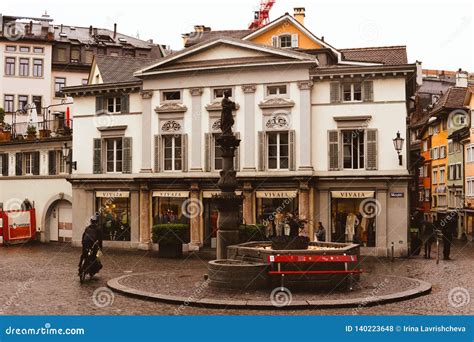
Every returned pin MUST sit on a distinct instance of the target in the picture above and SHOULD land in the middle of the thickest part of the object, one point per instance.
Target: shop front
(113, 208)
(273, 207)
(169, 207)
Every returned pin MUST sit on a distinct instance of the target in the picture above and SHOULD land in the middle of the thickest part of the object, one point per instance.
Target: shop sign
(276, 194)
(174, 194)
(397, 195)
(352, 194)
(112, 194)
(209, 194)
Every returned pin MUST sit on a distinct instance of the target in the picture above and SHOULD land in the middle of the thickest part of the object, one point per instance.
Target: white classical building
(316, 129)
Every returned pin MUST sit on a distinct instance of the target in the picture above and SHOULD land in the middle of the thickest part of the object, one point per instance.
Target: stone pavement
(42, 279)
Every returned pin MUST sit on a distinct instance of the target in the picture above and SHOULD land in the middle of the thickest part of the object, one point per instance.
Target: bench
(297, 259)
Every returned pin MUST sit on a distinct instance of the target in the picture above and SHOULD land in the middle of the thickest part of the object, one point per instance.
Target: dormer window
(285, 41)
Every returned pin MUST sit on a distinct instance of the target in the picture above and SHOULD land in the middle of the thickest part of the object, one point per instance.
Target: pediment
(276, 102)
(171, 108)
(217, 106)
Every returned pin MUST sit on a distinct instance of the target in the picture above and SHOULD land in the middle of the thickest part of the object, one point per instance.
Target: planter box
(44, 133)
(5, 136)
(172, 251)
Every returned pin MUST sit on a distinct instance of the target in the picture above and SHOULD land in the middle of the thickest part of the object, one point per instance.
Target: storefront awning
(352, 194)
(209, 194)
(277, 194)
(176, 194)
(112, 194)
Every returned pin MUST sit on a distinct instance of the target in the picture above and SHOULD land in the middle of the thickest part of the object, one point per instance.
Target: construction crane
(261, 17)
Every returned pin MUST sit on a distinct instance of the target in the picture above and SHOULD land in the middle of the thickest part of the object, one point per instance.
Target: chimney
(198, 28)
(299, 14)
(461, 78)
(115, 30)
(90, 30)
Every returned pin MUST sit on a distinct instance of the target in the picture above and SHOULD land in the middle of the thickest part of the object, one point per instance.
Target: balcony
(24, 131)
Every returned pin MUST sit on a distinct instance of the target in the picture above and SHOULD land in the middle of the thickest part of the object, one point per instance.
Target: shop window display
(168, 210)
(276, 213)
(115, 218)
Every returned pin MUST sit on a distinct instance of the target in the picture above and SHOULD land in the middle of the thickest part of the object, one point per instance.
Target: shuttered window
(335, 92)
(52, 163)
(333, 150)
(368, 88)
(18, 164)
(99, 104)
(4, 164)
(208, 141)
(157, 153)
(36, 163)
(278, 149)
(262, 153)
(371, 149)
(97, 156)
(127, 155)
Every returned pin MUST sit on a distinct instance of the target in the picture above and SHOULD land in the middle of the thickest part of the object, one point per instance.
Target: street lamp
(67, 155)
(398, 144)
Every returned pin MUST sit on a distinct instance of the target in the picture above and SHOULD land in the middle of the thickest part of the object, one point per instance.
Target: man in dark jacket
(428, 236)
(91, 240)
(448, 231)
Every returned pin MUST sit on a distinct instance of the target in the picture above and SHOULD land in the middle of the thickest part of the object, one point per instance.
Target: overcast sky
(439, 33)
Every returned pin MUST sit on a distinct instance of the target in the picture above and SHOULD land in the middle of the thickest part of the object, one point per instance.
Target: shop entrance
(210, 223)
(60, 221)
(114, 215)
(349, 219)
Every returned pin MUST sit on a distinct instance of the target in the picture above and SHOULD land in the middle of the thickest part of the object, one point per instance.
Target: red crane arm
(262, 16)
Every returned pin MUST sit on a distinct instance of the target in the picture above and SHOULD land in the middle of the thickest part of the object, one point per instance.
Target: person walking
(448, 232)
(428, 236)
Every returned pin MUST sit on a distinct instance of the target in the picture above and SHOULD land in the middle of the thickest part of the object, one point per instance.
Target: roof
(392, 55)
(452, 99)
(194, 38)
(118, 69)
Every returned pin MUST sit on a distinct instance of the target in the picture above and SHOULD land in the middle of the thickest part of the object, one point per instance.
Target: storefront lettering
(172, 194)
(276, 194)
(112, 194)
(352, 194)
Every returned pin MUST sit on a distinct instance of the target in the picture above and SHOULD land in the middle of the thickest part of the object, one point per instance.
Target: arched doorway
(58, 220)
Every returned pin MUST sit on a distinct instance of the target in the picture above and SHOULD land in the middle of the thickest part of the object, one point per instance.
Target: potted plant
(44, 133)
(5, 129)
(252, 232)
(31, 132)
(170, 238)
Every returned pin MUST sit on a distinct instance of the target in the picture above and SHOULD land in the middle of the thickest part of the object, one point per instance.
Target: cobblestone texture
(42, 279)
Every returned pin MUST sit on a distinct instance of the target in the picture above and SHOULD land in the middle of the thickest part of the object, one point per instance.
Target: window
(37, 100)
(114, 154)
(75, 55)
(450, 146)
(10, 66)
(352, 92)
(37, 67)
(421, 169)
(275, 90)
(218, 93)
(425, 145)
(10, 48)
(172, 152)
(435, 177)
(444, 125)
(3, 164)
(442, 152)
(172, 95)
(114, 104)
(436, 129)
(426, 170)
(459, 171)
(284, 41)
(353, 149)
(38, 50)
(8, 103)
(441, 175)
(59, 83)
(470, 186)
(442, 201)
(470, 153)
(427, 195)
(24, 49)
(61, 55)
(22, 101)
(217, 157)
(278, 150)
(28, 157)
(451, 172)
(24, 67)
(435, 153)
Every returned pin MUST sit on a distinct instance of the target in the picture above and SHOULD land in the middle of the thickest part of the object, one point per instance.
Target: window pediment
(172, 107)
(276, 102)
(216, 106)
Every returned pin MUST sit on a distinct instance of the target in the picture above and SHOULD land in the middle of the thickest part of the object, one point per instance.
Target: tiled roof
(199, 37)
(120, 69)
(452, 99)
(392, 55)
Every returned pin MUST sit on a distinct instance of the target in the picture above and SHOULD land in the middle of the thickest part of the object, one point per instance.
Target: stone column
(249, 127)
(248, 204)
(305, 126)
(195, 220)
(324, 212)
(147, 139)
(196, 129)
(381, 229)
(145, 222)
(303, 201)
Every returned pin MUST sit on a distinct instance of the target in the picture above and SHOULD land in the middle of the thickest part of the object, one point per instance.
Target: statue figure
(227, 118)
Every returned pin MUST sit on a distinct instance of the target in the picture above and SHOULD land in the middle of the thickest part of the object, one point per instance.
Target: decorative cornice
(146, 94)
(195, 91)
(217, 106)
(249, 88)
(305, 85)
(171, 107)
(276, 102)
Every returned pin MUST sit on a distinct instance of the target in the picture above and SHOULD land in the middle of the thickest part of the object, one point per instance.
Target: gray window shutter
(335, 92)
(207, 150)
(52, 162)
(36, 163)
(127, 155)
(275, 41)
(292, 150)
(262, 152)
(237, 154)
(5, 162)
(333, 150)
(294, 40)
(97, 156)
(368, 91)
(157, 153)
(184, 152)
(371, 154)
(99, 104)
(18, 164)
(125, 108)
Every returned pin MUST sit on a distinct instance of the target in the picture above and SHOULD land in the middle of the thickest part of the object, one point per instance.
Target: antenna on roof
(138, 35)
